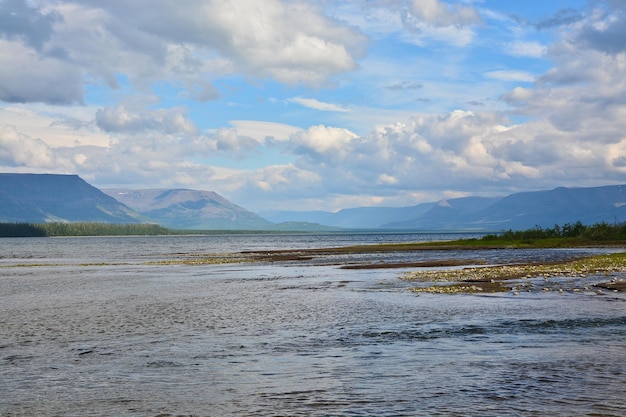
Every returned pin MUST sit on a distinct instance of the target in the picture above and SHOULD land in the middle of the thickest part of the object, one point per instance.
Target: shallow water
(128, 339)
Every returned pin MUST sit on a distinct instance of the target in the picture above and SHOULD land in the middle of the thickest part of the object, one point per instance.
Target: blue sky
(319, 104)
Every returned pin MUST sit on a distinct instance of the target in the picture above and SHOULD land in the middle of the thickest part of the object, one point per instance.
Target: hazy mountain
(37, 198)
(557, 206)
(40, 198)
(516, 211)
(451, 214)
(189, 209)
(355, 218)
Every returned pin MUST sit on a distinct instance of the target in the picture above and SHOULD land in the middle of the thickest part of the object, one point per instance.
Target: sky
(316, 104)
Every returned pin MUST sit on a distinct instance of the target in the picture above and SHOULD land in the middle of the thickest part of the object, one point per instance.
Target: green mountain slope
(42, 198)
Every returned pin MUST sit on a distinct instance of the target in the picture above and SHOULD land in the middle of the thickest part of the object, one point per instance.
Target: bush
(600, 232)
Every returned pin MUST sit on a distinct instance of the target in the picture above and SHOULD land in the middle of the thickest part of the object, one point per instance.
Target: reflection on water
(289, 339)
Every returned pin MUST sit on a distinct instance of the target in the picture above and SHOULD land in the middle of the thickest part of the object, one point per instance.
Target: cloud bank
(160, 66)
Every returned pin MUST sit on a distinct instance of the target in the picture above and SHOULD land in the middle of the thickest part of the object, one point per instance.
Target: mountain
(353, 218)
(40, 198)
(452, 214)
(189, 209)
(517, 211)
(558, 206)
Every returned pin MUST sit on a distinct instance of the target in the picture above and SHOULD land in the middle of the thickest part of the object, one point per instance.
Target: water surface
(125, 338)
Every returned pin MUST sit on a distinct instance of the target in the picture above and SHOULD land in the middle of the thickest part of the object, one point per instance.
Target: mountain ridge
(522, 210)
(41, 198)
(182, 208)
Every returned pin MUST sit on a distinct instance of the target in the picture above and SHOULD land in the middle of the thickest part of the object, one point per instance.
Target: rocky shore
(573, 276)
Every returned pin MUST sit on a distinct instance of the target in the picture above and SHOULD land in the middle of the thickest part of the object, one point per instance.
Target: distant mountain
(516, 211)
(353, 218)
(189, 209)
(41, 198)
(452, 214)
(558, 206)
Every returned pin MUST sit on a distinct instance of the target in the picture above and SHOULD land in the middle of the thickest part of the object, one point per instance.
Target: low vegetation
(570, 233)
(567, 235)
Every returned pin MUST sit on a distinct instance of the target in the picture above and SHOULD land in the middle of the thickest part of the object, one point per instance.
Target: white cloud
(510, 75)
(262, 130)
(122, 118)
(437, 13)
(317, 105)
(229, 140)
(568, 130)
(606, 31)
(525, 49)
(322, 140)
(148, 41)
(18, 20)
(387, 179)
(26, 76)
(19, 150)
(75, 126)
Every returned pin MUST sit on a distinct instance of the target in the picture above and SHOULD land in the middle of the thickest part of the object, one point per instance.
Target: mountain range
(516, 211)
(42, 198)
(188, 209)
(37, 198)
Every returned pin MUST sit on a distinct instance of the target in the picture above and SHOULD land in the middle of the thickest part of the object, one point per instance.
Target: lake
(96, 327)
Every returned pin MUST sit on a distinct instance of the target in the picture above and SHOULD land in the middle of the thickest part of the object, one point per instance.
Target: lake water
(88, 327)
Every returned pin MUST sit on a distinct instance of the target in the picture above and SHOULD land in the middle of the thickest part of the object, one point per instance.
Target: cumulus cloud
(19, 150)
(322, 140)
(607, 31)
(289, 41)
(573, 116)
(48, 53)
(284, 179)
(26, 76)
(18, 20)
(231, 141)
(263, 130)
(437, 13)
(133, 120)
(440, 21)
(576, 97)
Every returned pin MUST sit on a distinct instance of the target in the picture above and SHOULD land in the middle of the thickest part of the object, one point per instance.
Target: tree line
(79, 229)
(571, 232)
(599, 232)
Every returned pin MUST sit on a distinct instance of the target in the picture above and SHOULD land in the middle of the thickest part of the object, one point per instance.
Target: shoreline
(565, 276)
(449, 275)
(468, 276)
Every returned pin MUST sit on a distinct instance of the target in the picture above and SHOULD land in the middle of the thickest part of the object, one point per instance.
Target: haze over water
(89, 328)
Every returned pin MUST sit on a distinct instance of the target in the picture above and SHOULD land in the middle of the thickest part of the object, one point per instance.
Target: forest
(79, 229)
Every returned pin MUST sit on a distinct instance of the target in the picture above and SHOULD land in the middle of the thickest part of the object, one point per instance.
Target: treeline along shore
(79, 229)
(569, 234)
